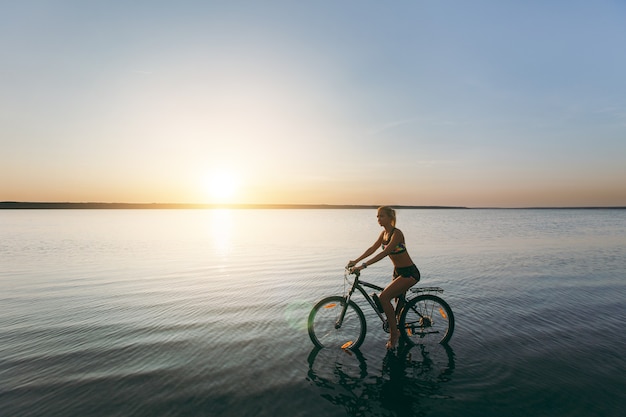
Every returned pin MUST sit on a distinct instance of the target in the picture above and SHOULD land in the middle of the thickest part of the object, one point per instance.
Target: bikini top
(401, 247)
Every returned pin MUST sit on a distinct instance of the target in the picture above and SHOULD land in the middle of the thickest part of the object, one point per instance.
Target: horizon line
(25, 205)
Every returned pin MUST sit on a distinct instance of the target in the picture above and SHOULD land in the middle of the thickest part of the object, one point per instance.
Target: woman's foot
(392, 343)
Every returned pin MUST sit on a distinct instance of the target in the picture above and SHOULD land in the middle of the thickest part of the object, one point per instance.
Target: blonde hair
(389, 212)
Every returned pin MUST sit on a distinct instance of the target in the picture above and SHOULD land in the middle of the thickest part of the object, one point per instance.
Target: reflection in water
(220, 229)
(401, 385)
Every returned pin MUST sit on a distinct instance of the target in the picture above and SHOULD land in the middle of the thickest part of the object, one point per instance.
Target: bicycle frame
(357, 284)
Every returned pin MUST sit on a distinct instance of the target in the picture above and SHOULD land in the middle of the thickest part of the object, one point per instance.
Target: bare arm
(368, 252)
(395, 241)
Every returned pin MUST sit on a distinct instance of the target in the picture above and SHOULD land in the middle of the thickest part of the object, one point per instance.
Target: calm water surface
(203, 313)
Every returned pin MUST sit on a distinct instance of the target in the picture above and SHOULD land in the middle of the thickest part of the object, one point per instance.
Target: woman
(392, 242)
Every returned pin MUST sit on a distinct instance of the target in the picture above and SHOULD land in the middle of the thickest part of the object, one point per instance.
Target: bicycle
(337, 321)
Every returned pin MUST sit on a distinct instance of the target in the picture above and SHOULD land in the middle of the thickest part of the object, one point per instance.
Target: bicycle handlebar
(350, 271)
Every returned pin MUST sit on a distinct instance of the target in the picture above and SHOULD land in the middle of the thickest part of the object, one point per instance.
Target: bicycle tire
(324, 316)
(426, 319)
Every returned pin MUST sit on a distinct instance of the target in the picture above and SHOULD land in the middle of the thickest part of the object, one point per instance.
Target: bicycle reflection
(406, 383)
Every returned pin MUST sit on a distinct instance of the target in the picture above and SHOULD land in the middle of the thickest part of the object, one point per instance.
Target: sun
(222, 186)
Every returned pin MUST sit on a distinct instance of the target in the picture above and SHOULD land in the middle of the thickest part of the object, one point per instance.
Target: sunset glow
(222, 186)
(403, 105)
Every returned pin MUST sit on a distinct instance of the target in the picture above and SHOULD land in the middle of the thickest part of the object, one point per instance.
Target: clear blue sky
(434, 102)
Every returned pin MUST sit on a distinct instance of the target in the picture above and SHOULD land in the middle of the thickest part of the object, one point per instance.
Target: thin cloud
(393, 125)
(403, 122)
(434, 162)
(616, 112)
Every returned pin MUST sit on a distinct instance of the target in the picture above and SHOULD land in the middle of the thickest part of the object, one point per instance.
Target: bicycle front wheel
(426, 319)
(326, 330)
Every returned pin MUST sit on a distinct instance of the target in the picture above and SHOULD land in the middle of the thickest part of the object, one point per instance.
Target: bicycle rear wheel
(426, 319)
(323, 324)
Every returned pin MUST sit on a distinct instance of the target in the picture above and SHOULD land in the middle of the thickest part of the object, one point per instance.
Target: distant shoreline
(17, 205)
(174, 206)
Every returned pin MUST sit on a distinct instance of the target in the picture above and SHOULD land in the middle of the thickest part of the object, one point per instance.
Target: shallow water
(203, 312)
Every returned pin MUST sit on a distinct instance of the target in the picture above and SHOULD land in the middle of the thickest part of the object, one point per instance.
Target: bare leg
(398, 286)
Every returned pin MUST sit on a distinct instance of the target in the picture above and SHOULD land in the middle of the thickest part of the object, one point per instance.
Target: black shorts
(407, 272)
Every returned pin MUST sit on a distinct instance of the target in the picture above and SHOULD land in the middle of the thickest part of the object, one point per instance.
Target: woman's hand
(351, 264)
(354, 269)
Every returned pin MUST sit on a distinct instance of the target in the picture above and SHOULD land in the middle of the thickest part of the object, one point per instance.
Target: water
(203, 313)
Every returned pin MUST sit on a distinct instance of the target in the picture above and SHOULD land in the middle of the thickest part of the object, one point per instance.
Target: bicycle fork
(344, 308)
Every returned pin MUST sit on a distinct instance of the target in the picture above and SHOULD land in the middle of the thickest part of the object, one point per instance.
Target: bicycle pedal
(385, 326)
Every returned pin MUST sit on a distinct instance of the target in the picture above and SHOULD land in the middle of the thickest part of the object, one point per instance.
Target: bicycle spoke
(326, 330)
(427, 319)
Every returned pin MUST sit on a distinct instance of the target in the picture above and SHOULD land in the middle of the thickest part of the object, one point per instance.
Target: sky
(490, 103)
